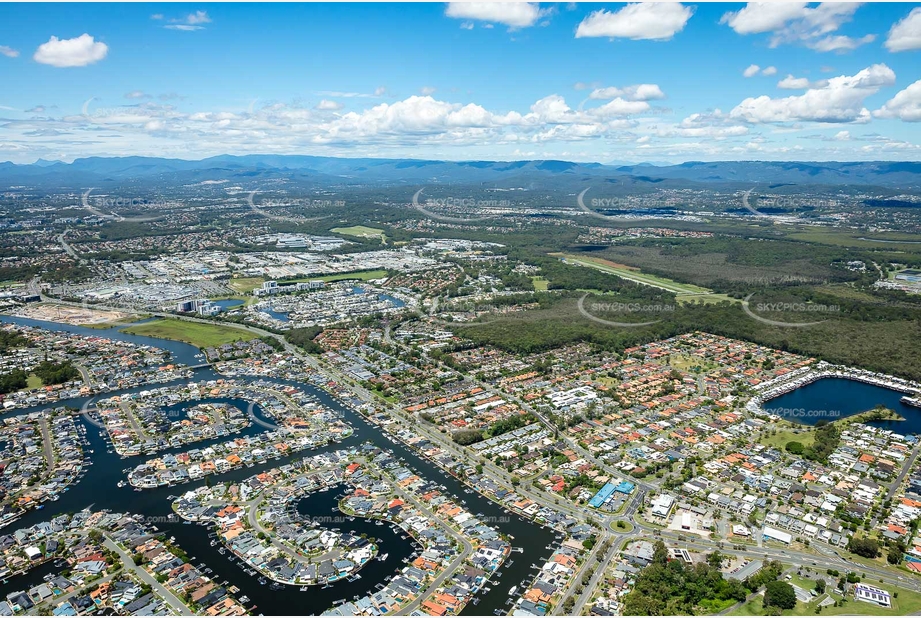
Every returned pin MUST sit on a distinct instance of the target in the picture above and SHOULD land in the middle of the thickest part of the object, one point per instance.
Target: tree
(796, 448)
(895, 554)
(779, 594)
(820, 586)
(868, 548)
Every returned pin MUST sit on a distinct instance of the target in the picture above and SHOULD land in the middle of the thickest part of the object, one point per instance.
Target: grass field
(779, 440)
(361, 231)
(361, 275)
(540, 283)
(632, 274)
(195, 333)
(33, 381)
(246, 285)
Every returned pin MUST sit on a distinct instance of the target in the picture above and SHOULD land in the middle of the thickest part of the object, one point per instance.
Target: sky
(612, 83)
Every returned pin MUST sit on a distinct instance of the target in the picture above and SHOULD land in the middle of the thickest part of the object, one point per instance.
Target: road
(171, 599)
(133, 421)
(906, 467)
(47, 446)
(87, 378)
(597, 575)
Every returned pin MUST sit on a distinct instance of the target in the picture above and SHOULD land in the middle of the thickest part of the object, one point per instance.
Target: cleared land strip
(636, 276)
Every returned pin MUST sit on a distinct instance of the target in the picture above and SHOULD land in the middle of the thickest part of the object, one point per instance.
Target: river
(99, 489)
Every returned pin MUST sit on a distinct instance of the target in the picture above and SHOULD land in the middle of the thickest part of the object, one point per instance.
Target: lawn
(632, 274)
(195, 333)
(33, 381)
(907, 603)
(361, 231)
(246, 285)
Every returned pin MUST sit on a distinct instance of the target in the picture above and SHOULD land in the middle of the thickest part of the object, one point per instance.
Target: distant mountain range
(329, 171)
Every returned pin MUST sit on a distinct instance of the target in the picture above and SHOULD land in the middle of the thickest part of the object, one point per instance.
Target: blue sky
(589, 82)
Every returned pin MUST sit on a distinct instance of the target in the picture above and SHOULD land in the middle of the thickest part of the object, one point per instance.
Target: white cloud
(840, 43)
(906, 105)
(842, 136)
(637, 92)
(77, 52)
(620, 107)
(751, 71)
(329, 105)
(644, 20)
(137, 94)
(758, 17)
(905, 34)
(797, 22)
(9, 52)
(841, 99)
(769, 71)
(800, 83)
(157, 16)
(427, 90)
(512, 14)
(189, 23)
(378, 92)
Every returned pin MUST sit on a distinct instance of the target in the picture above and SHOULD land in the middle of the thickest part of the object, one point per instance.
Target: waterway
(228, 303)
(830, 399)
(98, 489)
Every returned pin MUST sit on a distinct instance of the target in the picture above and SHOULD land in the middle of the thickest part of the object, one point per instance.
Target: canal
(98, 489)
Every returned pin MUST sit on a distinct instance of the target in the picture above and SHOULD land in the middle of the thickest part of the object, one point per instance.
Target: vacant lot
(359, 275)
(195, 333)
(246, 285)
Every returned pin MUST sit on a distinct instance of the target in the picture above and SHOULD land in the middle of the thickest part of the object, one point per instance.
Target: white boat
(512, 590)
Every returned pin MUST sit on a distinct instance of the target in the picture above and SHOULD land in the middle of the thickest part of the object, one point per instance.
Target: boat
(383, 557)
(303, 588)
(512, 590)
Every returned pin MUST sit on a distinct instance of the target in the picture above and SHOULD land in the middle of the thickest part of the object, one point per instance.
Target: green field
(540, 283)
(907, 603)
(361, 231)
(195, 333)
(359, 275)
(779, 440)
(624, 272)
(33, 381)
